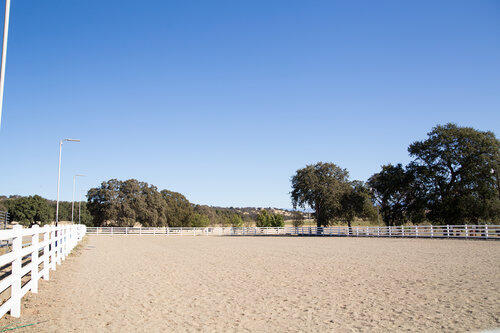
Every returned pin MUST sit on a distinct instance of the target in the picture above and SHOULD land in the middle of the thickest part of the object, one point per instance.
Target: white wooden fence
(47, 246)
(421, 231)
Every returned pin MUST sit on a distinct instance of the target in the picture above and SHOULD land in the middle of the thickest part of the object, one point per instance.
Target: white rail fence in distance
(421, 231)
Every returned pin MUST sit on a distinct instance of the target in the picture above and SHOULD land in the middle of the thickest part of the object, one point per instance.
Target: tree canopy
(397, 194)
(30, 210)
(268, 219)
(452, 179)
(36, 209)
(325, 187)
(457, 168)
(125, 203)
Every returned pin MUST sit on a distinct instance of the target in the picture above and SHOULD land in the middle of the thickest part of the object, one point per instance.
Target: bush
(298, 219)
(267, 219)
(199, 220)
(236, 220)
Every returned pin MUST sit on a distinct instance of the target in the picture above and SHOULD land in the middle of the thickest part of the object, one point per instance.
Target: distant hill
(250, 213)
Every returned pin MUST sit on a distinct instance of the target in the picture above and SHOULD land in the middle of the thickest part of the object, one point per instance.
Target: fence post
(64, 243)
(59, 234)
(17, 245)
(58, 245)
(416, 231)
(466, 231)
(46, 258)
(486, 230)
(52, 253)
(126, 230)
(34, 258)
(70, 239)
(447, 231)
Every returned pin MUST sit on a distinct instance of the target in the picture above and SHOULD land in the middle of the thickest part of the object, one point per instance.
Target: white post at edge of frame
(17, 245)
(46, 258)
(34, 258)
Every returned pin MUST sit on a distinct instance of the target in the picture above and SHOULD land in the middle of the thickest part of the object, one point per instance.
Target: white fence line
(421, 231)
(56, 244)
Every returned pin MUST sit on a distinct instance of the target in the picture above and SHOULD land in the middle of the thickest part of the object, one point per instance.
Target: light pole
(4, 53)
(59, 175)
(73, 202)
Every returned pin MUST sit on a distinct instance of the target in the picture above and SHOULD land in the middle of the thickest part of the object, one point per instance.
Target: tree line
(29, 210)
(452, 179)
(132, 202)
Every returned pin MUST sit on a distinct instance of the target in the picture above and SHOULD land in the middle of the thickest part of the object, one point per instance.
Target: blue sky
(224, 100)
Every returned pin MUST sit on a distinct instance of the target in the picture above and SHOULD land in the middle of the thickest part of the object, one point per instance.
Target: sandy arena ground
(270, 284)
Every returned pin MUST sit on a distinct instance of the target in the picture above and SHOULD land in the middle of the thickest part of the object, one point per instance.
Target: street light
(4, 53)
(73, 202)
(59, 175)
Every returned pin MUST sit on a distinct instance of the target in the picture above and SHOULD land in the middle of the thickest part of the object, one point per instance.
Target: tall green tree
(398, 195)
(179, 211)
(326, 188)
(103, 202)
(457, 170)
(356, 202)
(124, 203)
(320, 187)
(30, 210)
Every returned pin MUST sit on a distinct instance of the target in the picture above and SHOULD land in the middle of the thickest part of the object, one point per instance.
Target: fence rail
(48, 247)
(421, 231)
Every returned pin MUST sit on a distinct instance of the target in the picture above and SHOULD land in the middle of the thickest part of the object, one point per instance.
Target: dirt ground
(268, 284)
